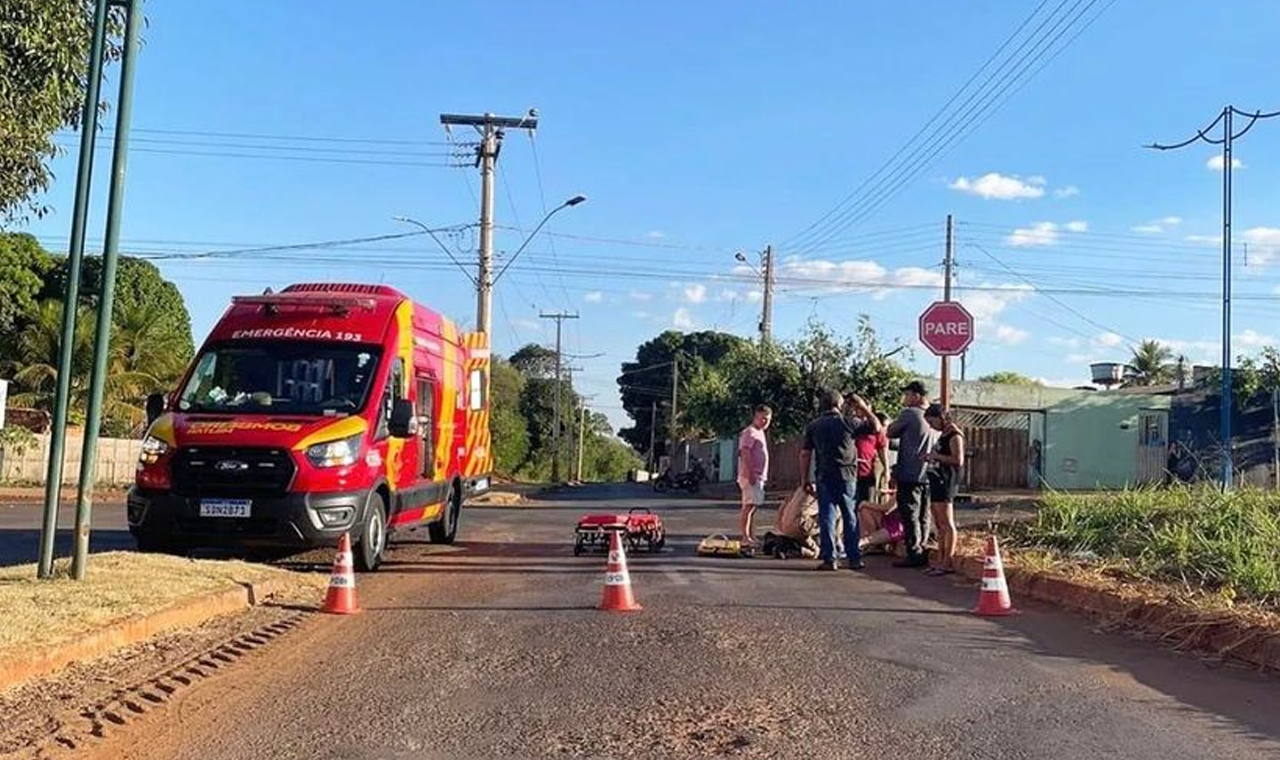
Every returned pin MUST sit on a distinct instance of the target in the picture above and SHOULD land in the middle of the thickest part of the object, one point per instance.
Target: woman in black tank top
(945, 462)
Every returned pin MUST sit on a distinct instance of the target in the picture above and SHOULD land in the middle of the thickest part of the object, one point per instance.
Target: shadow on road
(20, 546)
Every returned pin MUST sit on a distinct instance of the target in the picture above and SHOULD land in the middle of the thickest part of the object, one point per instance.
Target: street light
(443, 247)
(575, 200)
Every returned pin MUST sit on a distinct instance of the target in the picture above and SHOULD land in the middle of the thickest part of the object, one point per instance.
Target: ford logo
(230, 465)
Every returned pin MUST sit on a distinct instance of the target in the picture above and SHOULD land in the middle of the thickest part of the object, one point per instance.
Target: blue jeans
(833, 494)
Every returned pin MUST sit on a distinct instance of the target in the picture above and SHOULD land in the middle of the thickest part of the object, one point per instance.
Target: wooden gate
(1153, 446)
(997, 446)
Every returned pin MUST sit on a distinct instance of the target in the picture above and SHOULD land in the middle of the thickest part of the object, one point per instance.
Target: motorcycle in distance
(690, 480)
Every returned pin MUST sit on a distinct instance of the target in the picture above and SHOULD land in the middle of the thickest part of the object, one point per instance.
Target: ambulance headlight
(341, 452)
(152, 449)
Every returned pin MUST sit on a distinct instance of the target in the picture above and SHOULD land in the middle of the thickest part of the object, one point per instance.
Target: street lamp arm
(575, 200)
(440, 243)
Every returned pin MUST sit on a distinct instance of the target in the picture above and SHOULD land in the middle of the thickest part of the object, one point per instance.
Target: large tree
(44, 53)
(1008, 377)
(645, 383)
(23, 267)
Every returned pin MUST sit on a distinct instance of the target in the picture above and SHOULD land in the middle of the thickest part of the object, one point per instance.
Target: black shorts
(943, 488)
(864, 490)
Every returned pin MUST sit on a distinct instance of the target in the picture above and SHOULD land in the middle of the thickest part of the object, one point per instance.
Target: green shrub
(1223, 542)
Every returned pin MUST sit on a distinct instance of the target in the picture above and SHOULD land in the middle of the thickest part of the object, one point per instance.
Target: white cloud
(695, 293)
(1158, 226)
(1214, 240)
(1010, 336)
(641, 314)
(1109, 340)
(1216, 163)
(594, 296)
(1004, 187)
(852, 276)
(639, 295)
(1067, 192)
(1072, 343)
(682, 319)
(1252, 339)
(655, 234)
(1043, 233)
(528, 324)
(1040, 233)
(755, 296)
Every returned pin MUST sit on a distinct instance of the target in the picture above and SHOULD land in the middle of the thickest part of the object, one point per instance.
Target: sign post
(946, 329)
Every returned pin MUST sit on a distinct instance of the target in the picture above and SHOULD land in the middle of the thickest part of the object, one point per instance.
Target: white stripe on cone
(992, 563)
(343, 559)
(993, 584)
(342, 581)
(617, 579)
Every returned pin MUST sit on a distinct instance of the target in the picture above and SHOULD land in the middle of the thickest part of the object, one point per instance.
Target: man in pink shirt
(753, 469)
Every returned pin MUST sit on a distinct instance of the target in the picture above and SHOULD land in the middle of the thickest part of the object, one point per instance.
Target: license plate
(225, 507)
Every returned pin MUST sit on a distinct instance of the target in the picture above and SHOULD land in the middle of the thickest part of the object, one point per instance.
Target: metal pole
(484, 286)
(71, 296)
(1228, 465)
(766, 321)
(946, 296)
(110, 257)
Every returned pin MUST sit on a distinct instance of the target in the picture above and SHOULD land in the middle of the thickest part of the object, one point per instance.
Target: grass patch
(1227, 544)
(119, 585)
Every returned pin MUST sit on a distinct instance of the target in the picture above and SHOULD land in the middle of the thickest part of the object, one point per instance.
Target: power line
(976, 108)
(279, 137)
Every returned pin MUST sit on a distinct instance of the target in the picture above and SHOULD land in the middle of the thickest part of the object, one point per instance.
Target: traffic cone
(341, 598)
(993, 599)
(617, 581)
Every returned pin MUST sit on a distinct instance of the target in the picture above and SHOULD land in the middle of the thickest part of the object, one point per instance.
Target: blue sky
(705, 128)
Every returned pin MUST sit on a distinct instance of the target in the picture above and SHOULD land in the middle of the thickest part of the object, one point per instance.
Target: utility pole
(491, 132)
(71, 296)
(582, 435)
(947, 265)
(559, 317)
(653, 436)
(766, 317)
(675, 392)
(1229, 135)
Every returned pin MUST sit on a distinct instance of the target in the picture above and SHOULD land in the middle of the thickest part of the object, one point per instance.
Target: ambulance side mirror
(155, 407)
(401, 418)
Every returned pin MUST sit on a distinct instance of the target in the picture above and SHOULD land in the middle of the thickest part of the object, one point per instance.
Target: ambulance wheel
(372, 546)
(445, 530)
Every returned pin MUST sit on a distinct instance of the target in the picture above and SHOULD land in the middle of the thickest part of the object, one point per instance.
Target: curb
(1236, 640)
(44, 660)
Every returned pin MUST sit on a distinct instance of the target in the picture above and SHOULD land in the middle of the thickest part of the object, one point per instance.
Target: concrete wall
(115, 464)
(1091, 439)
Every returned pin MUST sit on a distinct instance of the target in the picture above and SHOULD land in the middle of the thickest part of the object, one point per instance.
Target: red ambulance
(320, 410)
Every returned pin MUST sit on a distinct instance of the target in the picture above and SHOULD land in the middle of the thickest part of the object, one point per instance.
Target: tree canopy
(44, 55)
(1151, 364)
(1008, 377)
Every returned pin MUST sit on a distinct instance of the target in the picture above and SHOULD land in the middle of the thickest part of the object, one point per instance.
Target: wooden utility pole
(582, 435)
(653, 436)
(947, 264)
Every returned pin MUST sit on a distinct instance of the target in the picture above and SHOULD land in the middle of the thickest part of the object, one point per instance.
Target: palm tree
(1151, 363)
(35, 371)
(146, 357)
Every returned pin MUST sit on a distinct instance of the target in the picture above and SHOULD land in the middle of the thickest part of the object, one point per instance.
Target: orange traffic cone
(617, 581)
(993, 600)
(341, 598)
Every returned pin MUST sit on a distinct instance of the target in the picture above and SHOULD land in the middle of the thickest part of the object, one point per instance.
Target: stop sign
(946, 328)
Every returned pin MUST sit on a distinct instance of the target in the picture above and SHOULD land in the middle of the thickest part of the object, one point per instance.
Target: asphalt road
(493, 648)
(20, 530)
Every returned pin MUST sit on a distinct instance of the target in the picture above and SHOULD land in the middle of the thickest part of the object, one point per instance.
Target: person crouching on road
(945, 462)
(753, 470)
(915, 439)
(878, 521)
(830, 448)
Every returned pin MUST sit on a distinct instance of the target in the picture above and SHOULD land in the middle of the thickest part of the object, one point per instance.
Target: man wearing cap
(915, 440)
(830, 447)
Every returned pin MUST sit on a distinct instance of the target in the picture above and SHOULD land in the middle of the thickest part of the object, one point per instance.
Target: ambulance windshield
(281, 378)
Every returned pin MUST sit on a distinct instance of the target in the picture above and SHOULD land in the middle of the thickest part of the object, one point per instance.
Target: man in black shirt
(830, 448)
